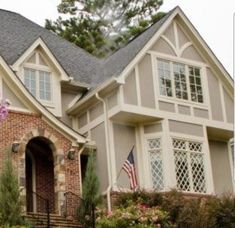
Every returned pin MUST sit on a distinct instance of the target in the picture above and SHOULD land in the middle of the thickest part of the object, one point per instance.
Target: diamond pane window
(156, 164)
(189, 166)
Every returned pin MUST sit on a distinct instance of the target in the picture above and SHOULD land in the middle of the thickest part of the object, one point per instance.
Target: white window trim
(197, 140)
(47, 103)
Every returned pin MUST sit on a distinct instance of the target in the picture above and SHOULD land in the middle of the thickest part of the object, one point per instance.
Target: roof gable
(24, 94)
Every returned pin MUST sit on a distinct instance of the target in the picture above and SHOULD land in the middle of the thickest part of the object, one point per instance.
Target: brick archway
(59, 165)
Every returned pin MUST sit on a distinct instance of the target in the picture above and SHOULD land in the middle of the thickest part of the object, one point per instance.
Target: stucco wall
(129, 89)
(215, 96)
(220, 167)
(124, 139)
(146, 82)
(98, 135)
(229, 107)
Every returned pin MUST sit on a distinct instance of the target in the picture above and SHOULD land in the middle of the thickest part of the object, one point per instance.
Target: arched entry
(39, 171)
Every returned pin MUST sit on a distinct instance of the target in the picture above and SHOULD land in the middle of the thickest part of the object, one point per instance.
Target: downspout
(107, 149)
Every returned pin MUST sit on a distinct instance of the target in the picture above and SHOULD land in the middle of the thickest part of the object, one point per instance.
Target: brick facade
(24, 127)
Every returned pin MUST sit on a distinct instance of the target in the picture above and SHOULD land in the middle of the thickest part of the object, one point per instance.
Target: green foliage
(103, 26)
(134, 215)
(10, 203)
(186, 211)
(90, 192)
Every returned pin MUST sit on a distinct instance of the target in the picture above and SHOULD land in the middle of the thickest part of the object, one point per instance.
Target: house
(165, 93)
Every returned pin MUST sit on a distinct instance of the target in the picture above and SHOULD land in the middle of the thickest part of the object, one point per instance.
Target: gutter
(107, 136)
(94, 92)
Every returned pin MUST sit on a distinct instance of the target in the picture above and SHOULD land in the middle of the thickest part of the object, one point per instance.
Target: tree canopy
(103, 26)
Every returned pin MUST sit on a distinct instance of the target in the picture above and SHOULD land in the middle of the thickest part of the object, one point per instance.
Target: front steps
(39, 220)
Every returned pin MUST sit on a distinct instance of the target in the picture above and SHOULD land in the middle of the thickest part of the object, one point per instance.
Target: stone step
(56, 221)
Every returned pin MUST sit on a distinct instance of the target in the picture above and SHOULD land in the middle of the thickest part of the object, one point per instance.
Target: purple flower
(3, 110)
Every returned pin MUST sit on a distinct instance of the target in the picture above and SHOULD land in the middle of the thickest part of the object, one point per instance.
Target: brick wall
(18, 126)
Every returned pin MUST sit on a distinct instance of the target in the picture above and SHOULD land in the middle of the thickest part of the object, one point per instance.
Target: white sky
(213, 20)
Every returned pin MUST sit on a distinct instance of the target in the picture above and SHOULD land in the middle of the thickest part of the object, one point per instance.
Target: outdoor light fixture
(15, 146)
(71, 154)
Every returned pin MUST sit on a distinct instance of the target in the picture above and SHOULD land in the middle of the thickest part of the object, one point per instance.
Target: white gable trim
(46, 115)
(40, 43)
(177, 12)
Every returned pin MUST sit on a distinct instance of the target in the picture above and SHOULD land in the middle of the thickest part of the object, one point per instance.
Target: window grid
(44, 85)
(165, 78)
(180, 81)
(156, 163)
(30, 81)
(195, 84)
(189, 166)
(38, 83)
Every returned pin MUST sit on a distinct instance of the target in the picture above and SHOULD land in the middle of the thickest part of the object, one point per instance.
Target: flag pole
(121, 167)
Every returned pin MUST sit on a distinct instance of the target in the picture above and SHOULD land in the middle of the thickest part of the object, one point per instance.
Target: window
(180, 81)
(156, 166)
(189, 166)
(38, 83)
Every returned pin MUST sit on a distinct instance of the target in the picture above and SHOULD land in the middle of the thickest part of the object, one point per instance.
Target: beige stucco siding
(229, 106)
(66, 98)
(82, 120)
(112, 100)
(169, 33)
(9, 95)
(96, 111)
(202, 113)
(146, 82)
(215, 96)
(129, 89)
(220, 167)
(185, 110)
(163, 47)
(191, 53)
(185, 128)
(124, 139)
(166, 106)
(152, 128)
(181, 37)
(98, 135)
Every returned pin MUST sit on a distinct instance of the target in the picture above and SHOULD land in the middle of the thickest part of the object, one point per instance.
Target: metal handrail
(79, 198)
(46, 200)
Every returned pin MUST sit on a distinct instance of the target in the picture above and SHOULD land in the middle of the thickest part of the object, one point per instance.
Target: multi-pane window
(195, 84)
(44, 85)
(38, 83)
(165, 78)
(30, 80)
(180, 81)
(189, 166)
(156, 164)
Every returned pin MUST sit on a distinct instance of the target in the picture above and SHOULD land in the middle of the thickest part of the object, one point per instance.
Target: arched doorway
(39, 170)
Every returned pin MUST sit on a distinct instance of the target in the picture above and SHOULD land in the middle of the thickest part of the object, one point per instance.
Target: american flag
(129, 168)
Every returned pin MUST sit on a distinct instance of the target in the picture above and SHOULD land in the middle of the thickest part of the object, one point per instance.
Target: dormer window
(38, 83)
(180, 81)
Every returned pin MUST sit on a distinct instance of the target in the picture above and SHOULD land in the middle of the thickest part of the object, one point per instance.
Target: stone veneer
(24, 127)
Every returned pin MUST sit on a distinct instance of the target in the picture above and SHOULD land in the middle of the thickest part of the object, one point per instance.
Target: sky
(213, 20)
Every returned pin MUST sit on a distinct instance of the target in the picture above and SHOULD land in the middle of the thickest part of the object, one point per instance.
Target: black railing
(42, 205)
(72, 202)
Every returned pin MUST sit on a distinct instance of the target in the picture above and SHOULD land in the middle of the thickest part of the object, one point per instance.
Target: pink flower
(3, 110)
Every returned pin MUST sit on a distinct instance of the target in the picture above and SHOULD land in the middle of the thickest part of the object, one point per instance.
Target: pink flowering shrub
(134, 215)
(3, 109)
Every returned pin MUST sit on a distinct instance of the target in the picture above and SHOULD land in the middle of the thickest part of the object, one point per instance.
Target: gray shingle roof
(18, 34)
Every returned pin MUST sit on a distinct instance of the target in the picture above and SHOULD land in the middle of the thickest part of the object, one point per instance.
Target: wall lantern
(15, 146)
(71, 154)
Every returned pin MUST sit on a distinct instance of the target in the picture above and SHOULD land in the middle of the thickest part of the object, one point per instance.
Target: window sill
(182, 102)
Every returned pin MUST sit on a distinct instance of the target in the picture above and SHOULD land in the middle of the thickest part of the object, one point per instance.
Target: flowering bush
(134, 215)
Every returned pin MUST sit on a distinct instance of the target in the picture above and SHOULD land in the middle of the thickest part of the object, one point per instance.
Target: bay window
(180, 81)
